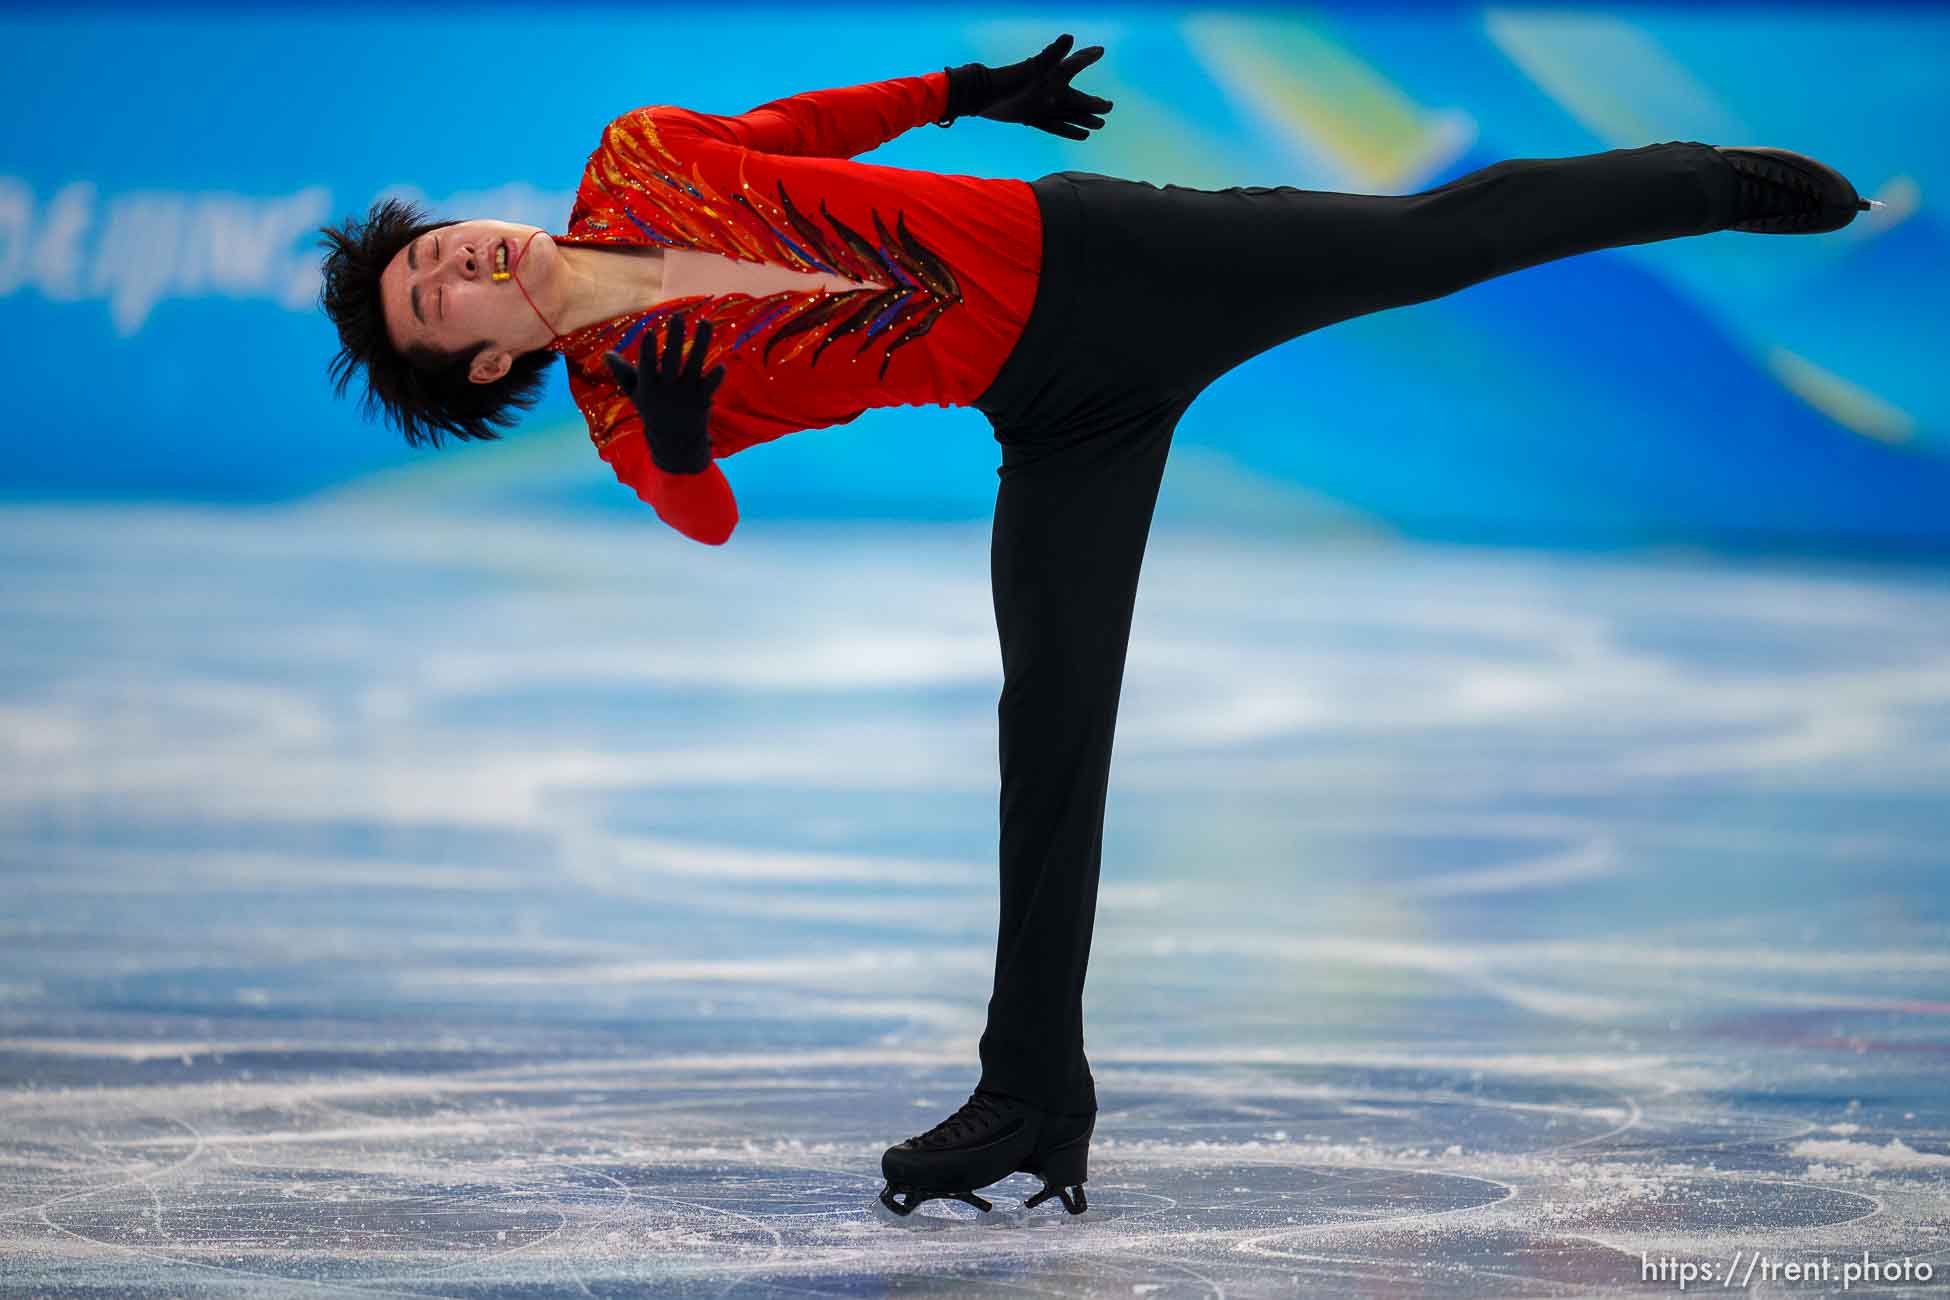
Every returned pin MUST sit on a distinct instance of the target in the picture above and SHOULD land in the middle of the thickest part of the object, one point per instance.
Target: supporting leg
(1070, 529)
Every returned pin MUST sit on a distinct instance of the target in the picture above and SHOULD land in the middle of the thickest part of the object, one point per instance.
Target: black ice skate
(1784, 193)
(989, 1138)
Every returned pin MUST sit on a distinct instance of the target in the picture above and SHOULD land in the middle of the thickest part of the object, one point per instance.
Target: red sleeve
(837, 123)
(700, 506)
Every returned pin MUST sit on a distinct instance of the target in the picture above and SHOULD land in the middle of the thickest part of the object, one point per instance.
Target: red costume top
(962, 252)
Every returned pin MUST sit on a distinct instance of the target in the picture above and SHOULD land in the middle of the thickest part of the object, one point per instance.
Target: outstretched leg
(1247, 268)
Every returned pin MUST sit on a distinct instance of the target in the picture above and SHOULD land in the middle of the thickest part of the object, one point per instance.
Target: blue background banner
(165, 174)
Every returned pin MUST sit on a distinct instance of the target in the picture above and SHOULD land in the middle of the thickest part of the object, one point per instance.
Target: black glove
(1036, 92)
(672, 398)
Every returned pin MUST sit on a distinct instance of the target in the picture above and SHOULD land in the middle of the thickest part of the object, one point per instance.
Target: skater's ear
(489, 366)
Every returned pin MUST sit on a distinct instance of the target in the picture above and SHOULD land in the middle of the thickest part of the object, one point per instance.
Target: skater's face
(440, 292)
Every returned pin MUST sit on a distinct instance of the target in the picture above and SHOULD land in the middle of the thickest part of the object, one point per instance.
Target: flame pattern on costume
(687, 212)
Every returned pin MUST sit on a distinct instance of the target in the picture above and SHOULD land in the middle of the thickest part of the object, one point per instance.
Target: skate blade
(940, 1215)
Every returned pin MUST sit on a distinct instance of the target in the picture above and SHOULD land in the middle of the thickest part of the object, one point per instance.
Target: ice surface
(492, 908)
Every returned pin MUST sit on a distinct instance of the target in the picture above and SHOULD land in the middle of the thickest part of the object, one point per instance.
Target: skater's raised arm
(836, 123)
(850, 120)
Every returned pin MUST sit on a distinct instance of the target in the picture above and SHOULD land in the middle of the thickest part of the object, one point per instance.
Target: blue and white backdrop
(164, 173)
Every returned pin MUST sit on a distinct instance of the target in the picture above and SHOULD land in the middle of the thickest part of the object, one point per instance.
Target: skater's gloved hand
(673, 399)
(1036, 92)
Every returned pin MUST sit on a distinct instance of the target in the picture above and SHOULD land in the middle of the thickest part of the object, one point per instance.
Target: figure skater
(1081, 313)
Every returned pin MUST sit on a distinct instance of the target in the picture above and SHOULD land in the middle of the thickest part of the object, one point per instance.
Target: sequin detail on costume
(687, 212)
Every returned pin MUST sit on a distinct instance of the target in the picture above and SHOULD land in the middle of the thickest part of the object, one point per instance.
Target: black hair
(423, 391)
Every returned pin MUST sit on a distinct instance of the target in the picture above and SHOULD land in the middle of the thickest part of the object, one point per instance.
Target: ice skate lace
(974, 1114)
(1772, 192)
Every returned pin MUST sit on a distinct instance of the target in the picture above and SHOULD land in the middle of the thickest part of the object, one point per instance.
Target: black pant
(1147, 295)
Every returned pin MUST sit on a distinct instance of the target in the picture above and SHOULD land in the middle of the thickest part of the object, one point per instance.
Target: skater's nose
(465, 264)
